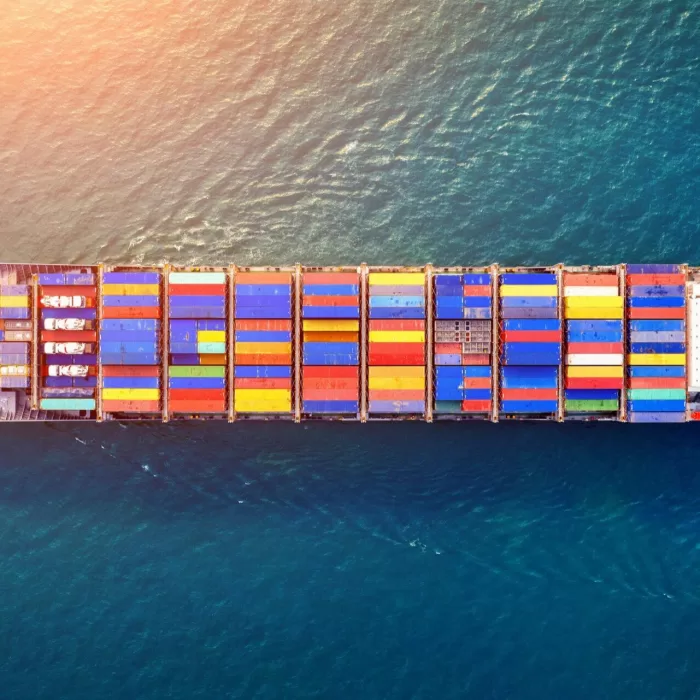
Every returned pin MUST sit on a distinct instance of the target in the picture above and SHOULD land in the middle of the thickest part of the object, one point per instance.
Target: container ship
(364, 343)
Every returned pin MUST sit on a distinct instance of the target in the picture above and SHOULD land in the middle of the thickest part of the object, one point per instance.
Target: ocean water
(347, 561)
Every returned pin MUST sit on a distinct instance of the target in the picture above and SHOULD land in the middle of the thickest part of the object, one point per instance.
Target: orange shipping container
(396, 395)
(110, 406)
(188, 406)
(258, 359)
(131, 312)
(585, 279)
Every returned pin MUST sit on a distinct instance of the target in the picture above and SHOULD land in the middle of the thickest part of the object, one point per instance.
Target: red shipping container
(476, 406)
(199, 406)
(531, 336)
(197, 394)
(651, 280)
(656, 383)
(263, 278)
(262, 383)
(331, 278)
(448, 348)
(585, 279)
(110, 406)
(330, 371)
(197, 290)
(260, 359)
(595, 348)
(378, 359)
(397, 325)
(637, 313)
(247, 324)
(695, 416)
(69, 336)
(529, 394)
(311, 394)
(130, 371)
(594, 382)
(331, 384)
(331, 301)
(131, 312)
(396, 395)
(477, 360)
(477, 290)
(476, 383)
(64, 291)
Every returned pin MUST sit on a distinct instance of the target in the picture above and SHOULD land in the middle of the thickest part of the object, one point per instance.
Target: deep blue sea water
(346, 561)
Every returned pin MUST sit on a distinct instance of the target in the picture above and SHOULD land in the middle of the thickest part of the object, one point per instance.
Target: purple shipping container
(80, 278)
(536, 312)
(661, 417)
(443, 360)
(66, 393)
(14, 290)
(396, 406)
(14, 312)
(51, 278)
(14, 382)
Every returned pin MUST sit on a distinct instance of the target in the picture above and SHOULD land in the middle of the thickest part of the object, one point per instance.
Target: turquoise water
(378, 561)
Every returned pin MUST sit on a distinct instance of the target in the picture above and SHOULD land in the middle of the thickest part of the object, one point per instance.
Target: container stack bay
(15, 338)
(530, 344)
(263, 343)
(197, 371)
(656, 299)
(593, 309)
(331, 343)
(396, 343)
(693, 340)
(463, 343)
(130, 342)
(68, 350)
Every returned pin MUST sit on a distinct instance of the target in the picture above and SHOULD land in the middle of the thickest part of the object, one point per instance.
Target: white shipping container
(596, 360)
(591, 292)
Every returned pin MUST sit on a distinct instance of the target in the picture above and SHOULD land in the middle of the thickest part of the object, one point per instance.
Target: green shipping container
(448, 406)
(199, 371)
(591, 405)
(68, 404)
(656, 394)
(197, 278)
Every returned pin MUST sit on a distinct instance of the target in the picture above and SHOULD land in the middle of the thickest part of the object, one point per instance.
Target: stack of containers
(197, 372)
(530, 343)
(66, 393)
(593, 308)
(15, 335)
(130, 342)
(462, 343)
(656, 343)
(397, 342)
(331, 326)
(263, 342)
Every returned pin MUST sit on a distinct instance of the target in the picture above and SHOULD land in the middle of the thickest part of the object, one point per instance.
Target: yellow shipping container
(656, 360)
(593, 302)
(528, 290)
(593, 314)
(14, 302)
(378, 279)
(263, 348)
(396, 372)
(603, 371)
(263, 400)
(131, 394)
(131, 289)
(330, 325)
(397, 383)
(397, 336)
(211, 336)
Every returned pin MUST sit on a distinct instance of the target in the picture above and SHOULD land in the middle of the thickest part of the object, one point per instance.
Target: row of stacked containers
(656, 313)
(530, 343)
(68, 303)
(197, 375)
(331, 343)
(396, 374)
(130, 332)
(15, 332)
(463, 343)
(263, 338)
(593, 309)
